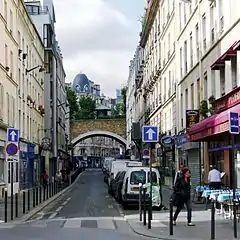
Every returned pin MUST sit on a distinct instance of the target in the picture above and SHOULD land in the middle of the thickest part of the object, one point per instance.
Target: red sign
(11, 149)
(227, 101)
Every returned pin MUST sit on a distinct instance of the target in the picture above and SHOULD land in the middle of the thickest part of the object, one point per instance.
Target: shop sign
(192, 117)
(167, 141)
(227, 101)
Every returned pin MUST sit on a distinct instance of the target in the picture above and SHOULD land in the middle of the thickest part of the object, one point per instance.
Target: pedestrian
(179, 173)
(214, 178)
(182, 189)
(44, 177)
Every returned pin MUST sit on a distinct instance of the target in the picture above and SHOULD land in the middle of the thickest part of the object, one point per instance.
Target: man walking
(179, 173)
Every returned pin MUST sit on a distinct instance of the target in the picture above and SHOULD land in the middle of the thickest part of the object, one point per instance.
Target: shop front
(214, 131)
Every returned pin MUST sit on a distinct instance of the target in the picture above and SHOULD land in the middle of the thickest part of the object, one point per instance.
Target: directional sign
(233, 122)
(12, 134)
(11, 149)
(150, 134)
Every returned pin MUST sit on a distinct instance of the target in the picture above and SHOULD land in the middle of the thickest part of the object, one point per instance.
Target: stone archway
(103, 133)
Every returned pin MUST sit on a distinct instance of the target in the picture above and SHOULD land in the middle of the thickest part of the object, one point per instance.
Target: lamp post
(41, 69)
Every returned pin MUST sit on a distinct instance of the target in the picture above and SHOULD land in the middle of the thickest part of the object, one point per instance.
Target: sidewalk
(19, 204)
(202, 231)
(167, 192)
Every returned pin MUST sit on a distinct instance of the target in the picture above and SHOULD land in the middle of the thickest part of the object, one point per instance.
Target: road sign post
(12, 159)
(234, 130)
(150, 134)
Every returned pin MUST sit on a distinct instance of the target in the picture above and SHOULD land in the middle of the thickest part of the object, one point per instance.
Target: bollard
(16, 205)
(24, 202)
(5, 205)
(12, 205)
(44, 192)
(171, 217)
(213, 220)
(36, 196)
(144, 206)
(140, 202)
(28, 200)
(47, 189)
(149, 216)
(40, 194)
(3, 192)
(234, 219)
(33, 191)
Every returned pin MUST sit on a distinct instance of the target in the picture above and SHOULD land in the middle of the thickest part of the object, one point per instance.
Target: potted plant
(211, 100)
(204, 109)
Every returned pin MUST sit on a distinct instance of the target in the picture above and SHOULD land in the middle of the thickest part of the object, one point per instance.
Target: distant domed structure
(81, 84)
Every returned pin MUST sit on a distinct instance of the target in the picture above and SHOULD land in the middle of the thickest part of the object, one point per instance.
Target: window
(138, 177)
(11, 21)
(197, 41)
(181, 64)
(2, 162)
(198, 92)
(5, 11)
(8, 108)
(6, 55)
(204, 31)
(12, 65)
(191, 51)
(205, 86)
(186, 98)
(192, 96)
(181, 110)
(185, 56)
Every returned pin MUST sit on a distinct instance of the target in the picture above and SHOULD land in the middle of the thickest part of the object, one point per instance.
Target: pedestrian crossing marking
(106, 224)
(72, 223)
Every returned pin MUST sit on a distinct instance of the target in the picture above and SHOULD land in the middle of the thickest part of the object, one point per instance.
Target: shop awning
(232, 51)
(213, 125)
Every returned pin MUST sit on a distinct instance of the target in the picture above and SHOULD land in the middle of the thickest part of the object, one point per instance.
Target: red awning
(226, 56)
(215, 124)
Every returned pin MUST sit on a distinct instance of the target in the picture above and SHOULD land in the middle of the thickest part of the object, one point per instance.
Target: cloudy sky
(98, 37)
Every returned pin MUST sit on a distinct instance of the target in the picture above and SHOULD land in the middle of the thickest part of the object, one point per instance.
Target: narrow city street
(87, 211)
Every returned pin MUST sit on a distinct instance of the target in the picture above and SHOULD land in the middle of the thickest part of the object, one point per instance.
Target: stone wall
(117, 126)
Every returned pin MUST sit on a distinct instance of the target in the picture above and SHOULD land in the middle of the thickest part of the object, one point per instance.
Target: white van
(118, 166)
(134, 176)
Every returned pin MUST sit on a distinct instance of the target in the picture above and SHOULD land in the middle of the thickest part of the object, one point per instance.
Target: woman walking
(182, 190)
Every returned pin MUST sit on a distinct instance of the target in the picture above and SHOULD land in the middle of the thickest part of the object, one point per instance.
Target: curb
(161, 237)
(34, 211)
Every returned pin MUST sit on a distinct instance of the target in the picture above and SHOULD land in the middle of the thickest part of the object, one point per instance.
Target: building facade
(22, 91)
(55, 98)
(212, 83)
(134, 79)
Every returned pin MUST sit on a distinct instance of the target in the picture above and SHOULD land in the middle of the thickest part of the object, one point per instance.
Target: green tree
(87, 108)
(124, 102)
(73, 103)
(116, 110)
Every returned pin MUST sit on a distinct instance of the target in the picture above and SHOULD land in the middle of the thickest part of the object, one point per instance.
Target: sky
(98, 38)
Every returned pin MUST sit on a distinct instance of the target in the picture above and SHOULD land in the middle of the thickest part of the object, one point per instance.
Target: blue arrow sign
(150, 134)
(233, 122)
(13, 135)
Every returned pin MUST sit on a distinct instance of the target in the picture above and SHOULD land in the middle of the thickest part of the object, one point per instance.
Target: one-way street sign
(13, 135)
(150, 134)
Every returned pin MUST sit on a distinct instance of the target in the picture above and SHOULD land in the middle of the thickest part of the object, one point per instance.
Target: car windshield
(138, 177)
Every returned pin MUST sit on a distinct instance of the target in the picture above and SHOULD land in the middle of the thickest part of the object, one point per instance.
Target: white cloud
(96, 39)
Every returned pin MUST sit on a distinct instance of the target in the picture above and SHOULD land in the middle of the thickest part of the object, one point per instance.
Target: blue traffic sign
(11, 149)
(13, 135)
(233, 122)
(150, 134)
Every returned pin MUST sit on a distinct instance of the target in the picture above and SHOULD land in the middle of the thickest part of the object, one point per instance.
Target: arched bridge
(113, 128)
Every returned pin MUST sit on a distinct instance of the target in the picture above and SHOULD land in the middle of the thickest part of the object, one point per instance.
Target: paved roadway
(87, 212)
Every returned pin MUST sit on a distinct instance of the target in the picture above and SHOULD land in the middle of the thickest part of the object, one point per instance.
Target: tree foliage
(124, 96)
(73, 103)
(87, 108)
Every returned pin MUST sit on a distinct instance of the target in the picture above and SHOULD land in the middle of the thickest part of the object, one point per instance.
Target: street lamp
(41, 69)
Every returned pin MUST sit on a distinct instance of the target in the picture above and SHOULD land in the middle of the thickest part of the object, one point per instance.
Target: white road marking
(110, 206)
(59, 209)
(53, 215)
(72, 223)
(105, 224)
(66, 202)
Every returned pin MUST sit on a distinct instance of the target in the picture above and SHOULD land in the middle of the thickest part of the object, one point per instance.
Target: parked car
(117, 187)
